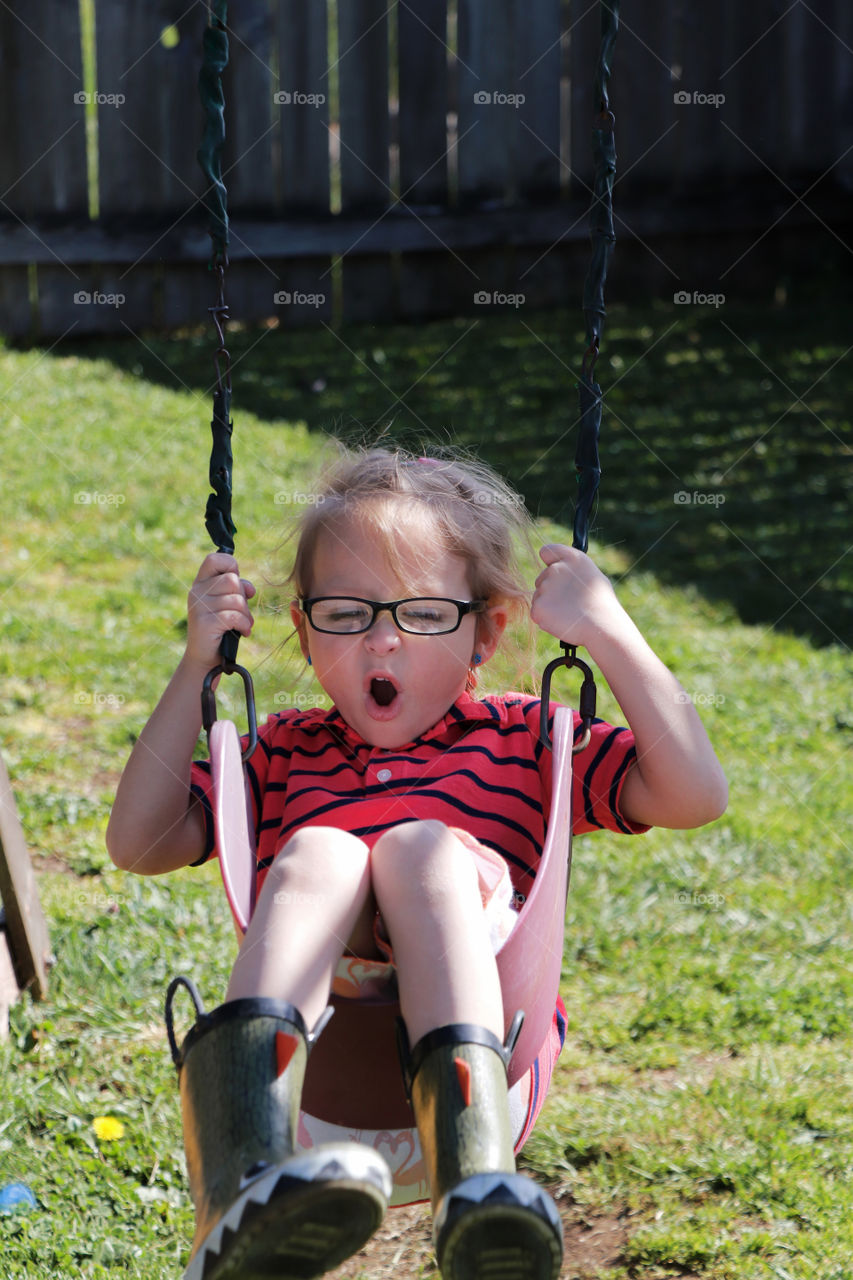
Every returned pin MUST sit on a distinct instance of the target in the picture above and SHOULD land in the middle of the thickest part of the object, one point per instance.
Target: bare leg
(425, 883)
(312, 896)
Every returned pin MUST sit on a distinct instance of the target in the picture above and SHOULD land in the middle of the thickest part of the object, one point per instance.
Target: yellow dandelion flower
(107, 1128)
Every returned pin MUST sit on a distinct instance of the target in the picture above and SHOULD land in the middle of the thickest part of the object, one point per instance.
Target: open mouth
(382, 691)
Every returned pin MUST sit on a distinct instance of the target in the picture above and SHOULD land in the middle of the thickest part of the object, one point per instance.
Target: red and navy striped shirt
(482, 768)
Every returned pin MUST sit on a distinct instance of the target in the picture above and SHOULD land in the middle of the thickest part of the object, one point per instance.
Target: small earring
(478, 658)
(308, 659)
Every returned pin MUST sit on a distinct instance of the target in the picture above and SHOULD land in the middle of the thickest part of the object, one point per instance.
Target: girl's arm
(677, 780)
(155, 824)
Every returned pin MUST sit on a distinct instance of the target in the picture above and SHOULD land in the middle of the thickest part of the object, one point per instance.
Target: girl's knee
(320, 856)
(425, 856)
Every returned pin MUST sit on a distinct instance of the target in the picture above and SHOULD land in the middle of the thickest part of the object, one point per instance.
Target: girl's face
(426, 674)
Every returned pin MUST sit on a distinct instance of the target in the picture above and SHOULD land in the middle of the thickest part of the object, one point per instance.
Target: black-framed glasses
(420, 615)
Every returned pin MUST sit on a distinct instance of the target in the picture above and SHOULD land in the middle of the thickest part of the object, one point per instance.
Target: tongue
(383, 691)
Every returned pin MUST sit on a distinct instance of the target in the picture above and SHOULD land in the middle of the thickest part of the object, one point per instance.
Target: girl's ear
(297, 617)
(490, 628)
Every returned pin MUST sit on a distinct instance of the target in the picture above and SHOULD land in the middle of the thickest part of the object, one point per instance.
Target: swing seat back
(353, 1076)
(233, 822)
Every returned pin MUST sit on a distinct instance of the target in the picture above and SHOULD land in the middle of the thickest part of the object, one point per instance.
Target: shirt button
(383, 775)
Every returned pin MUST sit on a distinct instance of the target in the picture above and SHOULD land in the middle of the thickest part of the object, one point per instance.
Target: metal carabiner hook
(586, 701)
(208, 702)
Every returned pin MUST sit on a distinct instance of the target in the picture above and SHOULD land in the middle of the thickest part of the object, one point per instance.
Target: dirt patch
(402, 1247)
(592, 1244)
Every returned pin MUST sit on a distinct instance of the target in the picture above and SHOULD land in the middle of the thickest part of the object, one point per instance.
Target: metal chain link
(217, 519)
(587, 464)
(217, 516)
(214, 62)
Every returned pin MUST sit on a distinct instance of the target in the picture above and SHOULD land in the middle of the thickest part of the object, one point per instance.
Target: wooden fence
(393, 158)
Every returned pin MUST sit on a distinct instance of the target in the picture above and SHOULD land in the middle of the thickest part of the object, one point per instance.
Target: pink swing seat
(370, 1093)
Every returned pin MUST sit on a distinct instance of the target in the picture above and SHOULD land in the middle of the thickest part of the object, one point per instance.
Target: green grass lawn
(703, 1098)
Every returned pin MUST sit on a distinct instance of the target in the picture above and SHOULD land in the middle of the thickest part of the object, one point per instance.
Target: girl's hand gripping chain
(676, 780)
(217, 603)
(154, 825)
(572, 597)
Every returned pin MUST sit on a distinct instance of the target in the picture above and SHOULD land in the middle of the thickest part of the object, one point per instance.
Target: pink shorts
(358, 977)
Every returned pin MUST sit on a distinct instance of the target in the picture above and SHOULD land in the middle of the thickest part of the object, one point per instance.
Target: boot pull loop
(512, 1035)
(180, 981)
(404, 1052)
(319, 1026)
(455, 1033)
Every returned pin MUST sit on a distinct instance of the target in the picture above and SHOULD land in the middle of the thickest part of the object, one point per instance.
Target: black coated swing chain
(217, 516)
(587, 463)
(218, 519)
(220, 316)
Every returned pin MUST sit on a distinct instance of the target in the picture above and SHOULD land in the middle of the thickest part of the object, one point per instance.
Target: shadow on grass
(726, 444)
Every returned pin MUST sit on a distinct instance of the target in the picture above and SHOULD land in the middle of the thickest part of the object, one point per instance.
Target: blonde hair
(469, 510)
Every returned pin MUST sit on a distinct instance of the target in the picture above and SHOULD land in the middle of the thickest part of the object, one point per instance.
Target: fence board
(364, 125)
(794, 30)
(147, 144)
(817, 147)
(423, 80)
(43, 155)
(185, 293)
(293, 292)
(16, 316)
(537, 45)
(642, 91)
(487, 130)
(368, 284)
(789, 99)
(702, 143)
(106, 298)
(841, 93)
(434, 284)
(251, 116)
(296, 238)
(583, 52)
(309, 284)
(303, 62)
(554, 278)
(752, 74)
(369, 289)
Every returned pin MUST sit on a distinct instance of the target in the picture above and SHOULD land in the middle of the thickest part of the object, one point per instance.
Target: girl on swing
(393, 832)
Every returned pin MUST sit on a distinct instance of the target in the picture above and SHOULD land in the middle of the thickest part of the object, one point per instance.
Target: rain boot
(261, 1210)
(489, 1222)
